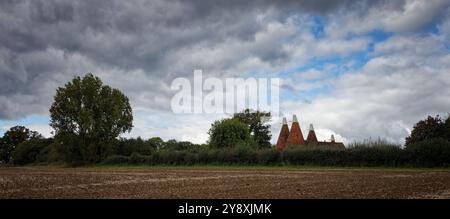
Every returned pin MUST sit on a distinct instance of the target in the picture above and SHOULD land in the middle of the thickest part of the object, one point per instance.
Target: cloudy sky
(358, 69)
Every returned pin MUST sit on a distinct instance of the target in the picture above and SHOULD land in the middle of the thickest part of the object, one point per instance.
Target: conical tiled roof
(284, 133)
(295, 135)
(312, 138)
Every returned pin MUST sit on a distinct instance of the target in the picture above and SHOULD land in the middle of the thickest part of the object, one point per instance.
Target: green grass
(263, 167)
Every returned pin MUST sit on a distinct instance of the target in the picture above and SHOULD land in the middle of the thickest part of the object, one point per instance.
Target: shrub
(177, 145)
(244, 153)
(267, 156)
(361, 155)
(381, 155)
(304, 156)
(127, 147)
(190, 158)
(49, 154)
(136, 158)
(293, 156)
(430, 153)
(225, 156)
(377, 152)
(30, 151)
(117, 159)
(228, 133)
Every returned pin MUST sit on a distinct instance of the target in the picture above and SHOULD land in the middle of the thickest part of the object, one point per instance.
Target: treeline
(433, 152)
(88, 118)
(21, 146)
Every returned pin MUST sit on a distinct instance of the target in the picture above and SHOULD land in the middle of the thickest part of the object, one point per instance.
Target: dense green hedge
(433, 153)
(358, 156)
(428, 153)
(32, 151)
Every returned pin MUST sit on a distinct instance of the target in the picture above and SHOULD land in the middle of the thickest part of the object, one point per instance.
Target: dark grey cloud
(106, 30)
(43, 41)
(140, 46)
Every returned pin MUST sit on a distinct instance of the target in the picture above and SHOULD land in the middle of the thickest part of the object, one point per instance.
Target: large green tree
(429, 128)
(257, 123)
(12, 138)
(87, 116)
(228, 133)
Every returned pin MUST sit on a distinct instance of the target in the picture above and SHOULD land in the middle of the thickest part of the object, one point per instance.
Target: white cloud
(388, 95)
(45, 130)
(167, 125)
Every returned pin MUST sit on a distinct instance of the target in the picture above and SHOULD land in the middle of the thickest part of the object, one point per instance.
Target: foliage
(230, 144)
(431, 127)
(117, 159)
(31, 151)
(12, 138)
(87, 116)
(379, 155)
(379, 142)
(430, 153)
(155, 142)
(126, 147)
(446, 128)
(267, 156)
(433, 153)
(172, 144)
(228, 133)
(71, 149)
(256, 122)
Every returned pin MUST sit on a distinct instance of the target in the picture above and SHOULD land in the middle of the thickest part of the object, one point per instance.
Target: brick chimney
(332, 139)
(311, 139)
(284, 133)
(295, 135)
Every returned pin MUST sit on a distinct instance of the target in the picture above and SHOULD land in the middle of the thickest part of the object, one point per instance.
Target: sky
(355, 69)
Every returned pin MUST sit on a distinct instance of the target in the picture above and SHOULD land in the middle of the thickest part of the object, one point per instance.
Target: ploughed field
(221, 182)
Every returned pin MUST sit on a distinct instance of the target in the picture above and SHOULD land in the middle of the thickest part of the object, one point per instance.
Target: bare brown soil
(227, 182)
